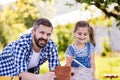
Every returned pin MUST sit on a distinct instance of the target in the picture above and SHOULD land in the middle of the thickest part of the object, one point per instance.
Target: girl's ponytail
(91, 35)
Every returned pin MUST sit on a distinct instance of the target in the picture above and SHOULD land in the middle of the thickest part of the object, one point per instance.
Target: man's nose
(45, 36)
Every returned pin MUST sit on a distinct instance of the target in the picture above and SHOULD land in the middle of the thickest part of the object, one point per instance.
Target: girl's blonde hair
(90, 30)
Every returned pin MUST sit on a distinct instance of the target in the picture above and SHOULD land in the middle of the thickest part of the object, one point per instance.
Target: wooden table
(10, 78)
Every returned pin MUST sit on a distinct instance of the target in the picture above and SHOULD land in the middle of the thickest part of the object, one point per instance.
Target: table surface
(9, 78)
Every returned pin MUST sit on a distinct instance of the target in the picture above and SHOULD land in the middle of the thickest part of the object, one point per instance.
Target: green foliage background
(64, 36)
(15, 19)
(104, 6)
(18, 17)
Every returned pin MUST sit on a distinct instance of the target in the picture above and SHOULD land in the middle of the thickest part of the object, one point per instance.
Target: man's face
(42, 35)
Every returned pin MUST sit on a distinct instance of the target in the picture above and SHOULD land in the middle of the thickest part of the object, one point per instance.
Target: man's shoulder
(51, 43)
(25, 36)
(24, 40)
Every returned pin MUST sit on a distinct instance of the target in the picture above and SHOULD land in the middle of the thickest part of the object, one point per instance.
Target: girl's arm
(93, 63)
(68, 60)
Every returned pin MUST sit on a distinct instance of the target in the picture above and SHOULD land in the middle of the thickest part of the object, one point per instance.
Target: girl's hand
(69, 60)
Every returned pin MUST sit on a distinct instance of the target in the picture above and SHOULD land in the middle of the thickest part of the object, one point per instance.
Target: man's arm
(53, 58)
(31, 76)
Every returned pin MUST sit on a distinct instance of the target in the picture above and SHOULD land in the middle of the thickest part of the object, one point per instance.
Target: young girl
(84, 47)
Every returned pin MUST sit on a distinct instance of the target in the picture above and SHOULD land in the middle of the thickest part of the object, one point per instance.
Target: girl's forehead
(82, 29)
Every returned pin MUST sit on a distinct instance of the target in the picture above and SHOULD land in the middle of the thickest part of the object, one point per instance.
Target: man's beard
(37, 42)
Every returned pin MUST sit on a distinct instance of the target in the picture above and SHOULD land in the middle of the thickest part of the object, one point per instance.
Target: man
(24, 56)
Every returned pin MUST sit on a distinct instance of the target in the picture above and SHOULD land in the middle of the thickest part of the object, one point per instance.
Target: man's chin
(41, 46)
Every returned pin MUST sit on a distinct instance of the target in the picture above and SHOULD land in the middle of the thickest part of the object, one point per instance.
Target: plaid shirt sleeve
(53, 56)
(20, 60)
(12, 60)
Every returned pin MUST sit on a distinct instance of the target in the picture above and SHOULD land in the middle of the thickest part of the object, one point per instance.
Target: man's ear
(32, 31)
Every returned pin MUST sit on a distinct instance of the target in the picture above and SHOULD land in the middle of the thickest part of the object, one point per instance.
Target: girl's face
(81, 34)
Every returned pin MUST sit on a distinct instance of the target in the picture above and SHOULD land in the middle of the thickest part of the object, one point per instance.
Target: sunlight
(6, 1)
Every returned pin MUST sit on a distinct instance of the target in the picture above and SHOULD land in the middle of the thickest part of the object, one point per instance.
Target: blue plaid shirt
(16, 56)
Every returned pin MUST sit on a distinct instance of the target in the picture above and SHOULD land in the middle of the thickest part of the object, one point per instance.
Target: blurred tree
(64, 36)
(111, 8)
(106, 47)
(102, 21)
(16, 17)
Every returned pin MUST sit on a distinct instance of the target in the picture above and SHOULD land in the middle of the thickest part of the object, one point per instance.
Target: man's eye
(48, 34)
(41, 32)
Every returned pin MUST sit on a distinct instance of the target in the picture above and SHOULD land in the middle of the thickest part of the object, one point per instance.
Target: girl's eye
(79, 33)
(85, 34)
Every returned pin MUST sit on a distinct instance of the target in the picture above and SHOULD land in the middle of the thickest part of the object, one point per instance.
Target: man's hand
(46, 76)
(31, 76)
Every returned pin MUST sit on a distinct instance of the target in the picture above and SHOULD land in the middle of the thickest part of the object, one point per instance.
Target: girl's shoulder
(70, 46)
(91, 46)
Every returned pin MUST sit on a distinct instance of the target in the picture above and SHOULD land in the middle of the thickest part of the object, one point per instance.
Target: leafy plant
(63, 36)
(106, 48)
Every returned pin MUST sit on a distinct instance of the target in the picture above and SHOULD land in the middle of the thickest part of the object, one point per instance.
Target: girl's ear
(73, 34)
